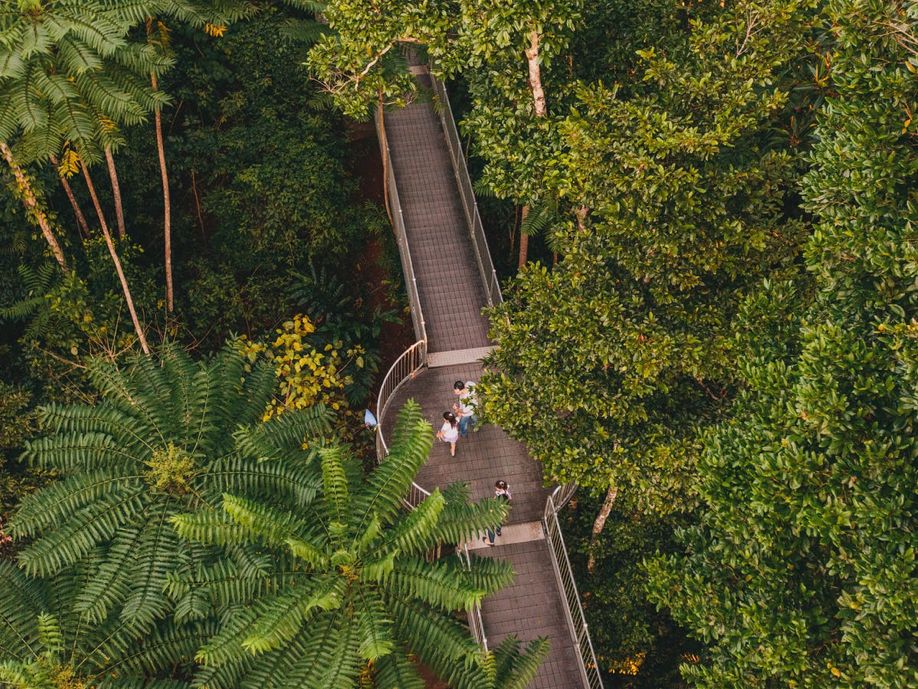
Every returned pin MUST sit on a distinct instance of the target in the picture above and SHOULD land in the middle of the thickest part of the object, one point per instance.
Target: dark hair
(458, 385)
(449, 416)
(501, 484)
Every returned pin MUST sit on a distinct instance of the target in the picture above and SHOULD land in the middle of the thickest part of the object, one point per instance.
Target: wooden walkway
(452, 297)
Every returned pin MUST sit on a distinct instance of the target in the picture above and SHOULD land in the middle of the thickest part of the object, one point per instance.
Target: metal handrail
(589, 668)
(414, 358)
(476, 625)
(469, 205)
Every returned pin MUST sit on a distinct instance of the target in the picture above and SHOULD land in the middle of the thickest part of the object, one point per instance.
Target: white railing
(589, 668)
(398, 222)
(469, 205)
(476, 626)
(414, 359)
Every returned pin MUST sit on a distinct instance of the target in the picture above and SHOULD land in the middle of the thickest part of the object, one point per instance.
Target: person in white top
(449, 431)
(465, 409)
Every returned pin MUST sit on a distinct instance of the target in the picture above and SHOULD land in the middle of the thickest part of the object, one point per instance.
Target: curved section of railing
(589, 668)
(469, 205)
(410, 363)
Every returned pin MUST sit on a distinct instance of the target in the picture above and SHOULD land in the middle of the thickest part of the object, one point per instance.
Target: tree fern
(168, 435)
(44, 645)
(349, 583)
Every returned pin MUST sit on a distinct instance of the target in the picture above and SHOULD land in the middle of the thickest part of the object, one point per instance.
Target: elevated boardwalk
(445, 273)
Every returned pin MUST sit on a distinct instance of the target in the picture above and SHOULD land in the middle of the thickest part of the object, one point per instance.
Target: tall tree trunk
(600, 522)
(524, 240)
(384, 146)
(77, 211)
(541, 110)
(111, 250)
(535, 75)
(167, 208)
(116, 191)
(33, 210)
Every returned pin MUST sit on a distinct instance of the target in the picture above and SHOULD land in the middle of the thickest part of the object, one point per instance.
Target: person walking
(449, 431)
(465, 409)
(501, 492)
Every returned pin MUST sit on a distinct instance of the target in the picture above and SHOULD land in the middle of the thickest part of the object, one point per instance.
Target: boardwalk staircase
(450, 278)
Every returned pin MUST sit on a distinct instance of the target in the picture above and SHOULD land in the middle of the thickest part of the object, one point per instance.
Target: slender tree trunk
(524, 241)
(77, 211)
(384, 146)
(167, 208)
(114, 254)
(197, 205)
(535, 75)
(116, 191)
(541, 110)
(600, 522)
(33, 210)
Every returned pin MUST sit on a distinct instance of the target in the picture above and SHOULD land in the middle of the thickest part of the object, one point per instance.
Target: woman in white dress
(449, 431)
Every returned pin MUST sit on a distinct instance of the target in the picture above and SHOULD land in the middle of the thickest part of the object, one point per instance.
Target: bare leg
(452, 449)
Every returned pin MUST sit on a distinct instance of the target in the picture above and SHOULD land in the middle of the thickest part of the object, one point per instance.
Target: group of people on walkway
(456, 424)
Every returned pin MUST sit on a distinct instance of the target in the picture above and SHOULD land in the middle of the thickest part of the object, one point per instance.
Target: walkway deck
(452, 297)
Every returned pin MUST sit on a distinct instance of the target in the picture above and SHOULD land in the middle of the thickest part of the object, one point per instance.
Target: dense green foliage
(716, 338)
(802, 571)
(165, 438)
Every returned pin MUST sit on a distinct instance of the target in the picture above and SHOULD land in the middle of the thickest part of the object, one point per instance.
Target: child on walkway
(502, 492)
(449, 431)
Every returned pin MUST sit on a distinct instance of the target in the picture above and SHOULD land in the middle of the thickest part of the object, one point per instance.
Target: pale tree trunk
(535, 75)
(77, 211)
(538, 101)
(167, 208)
(114, 254)
(524, 241)
(600, 522)
(33, 210)
(116, 191)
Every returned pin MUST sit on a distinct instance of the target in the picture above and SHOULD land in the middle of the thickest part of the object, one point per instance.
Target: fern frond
(281, 482)
(485, 573)
(267, 525)
(226, 645)
(396, 671)
(109, 582)
(22, 599)
(439, 641)
(434, 583)
(387, 485)
(82, 452)
(73, 539)
(104, 418)
(461, 521)
(335, 496)
(374, 626)
(49, 633)
(210, 527)
(280, 618)
(155, 556)
(414, 531)
(60, 501)
(329, 660)
(517, 670)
